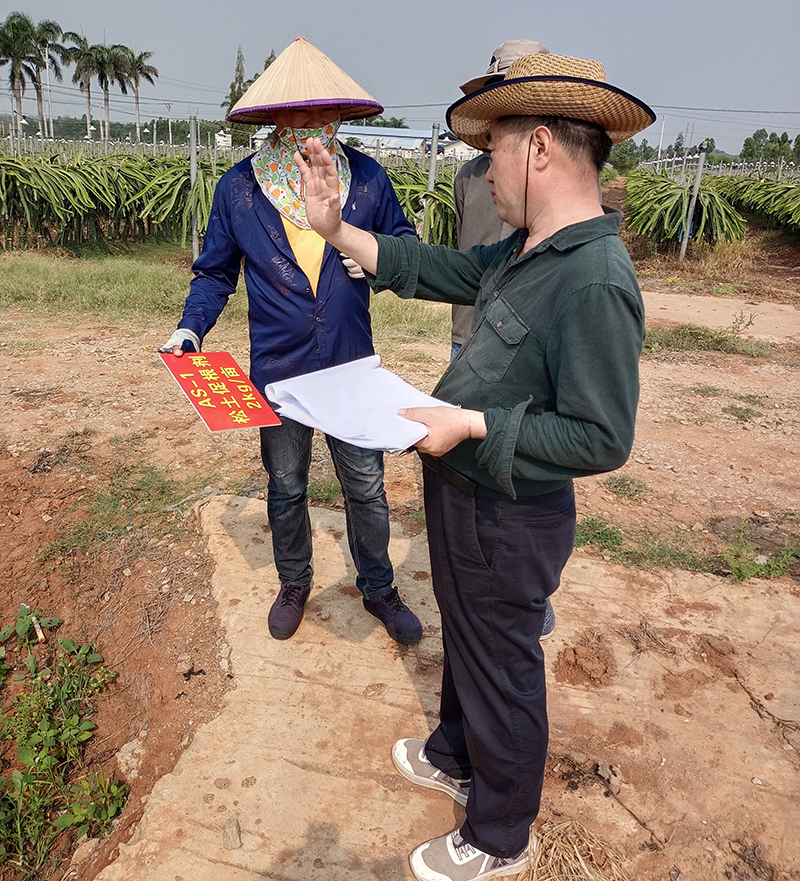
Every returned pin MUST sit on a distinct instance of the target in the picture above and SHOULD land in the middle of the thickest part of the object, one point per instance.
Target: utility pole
(660, 142)
(155, 127)
(193, 177)
(168, 105)
(693, 201)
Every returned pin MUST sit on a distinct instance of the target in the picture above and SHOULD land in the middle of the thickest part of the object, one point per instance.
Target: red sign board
(220, 391)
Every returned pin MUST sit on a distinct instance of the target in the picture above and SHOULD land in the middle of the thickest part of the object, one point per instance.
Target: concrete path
(299, 754)
(296, 766)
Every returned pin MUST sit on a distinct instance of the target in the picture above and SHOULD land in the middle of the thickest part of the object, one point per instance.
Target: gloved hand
(183, 339)
(353, 269)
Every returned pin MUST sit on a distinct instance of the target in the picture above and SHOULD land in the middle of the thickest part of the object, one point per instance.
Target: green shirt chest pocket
(496, 342)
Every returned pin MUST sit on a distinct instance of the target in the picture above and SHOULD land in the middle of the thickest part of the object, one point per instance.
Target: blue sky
(725, 68)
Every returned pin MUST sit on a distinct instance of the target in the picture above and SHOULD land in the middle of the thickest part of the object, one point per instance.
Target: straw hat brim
(301, 77)
(348, 109)
(620, 114)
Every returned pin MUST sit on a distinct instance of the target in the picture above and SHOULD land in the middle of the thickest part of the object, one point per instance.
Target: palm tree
(114, 64)
(18, 49)
(139, 69)
(48, 55)
(86, 59)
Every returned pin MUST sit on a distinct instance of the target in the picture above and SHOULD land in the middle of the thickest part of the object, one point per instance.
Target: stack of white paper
(355, 402)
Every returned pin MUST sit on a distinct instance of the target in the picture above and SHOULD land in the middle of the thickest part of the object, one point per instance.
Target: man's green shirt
(553, 358)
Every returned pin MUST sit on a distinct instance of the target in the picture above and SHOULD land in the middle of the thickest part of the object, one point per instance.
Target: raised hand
(321, 186)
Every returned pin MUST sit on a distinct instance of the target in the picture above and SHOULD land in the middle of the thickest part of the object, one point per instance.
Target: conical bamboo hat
(302, 76)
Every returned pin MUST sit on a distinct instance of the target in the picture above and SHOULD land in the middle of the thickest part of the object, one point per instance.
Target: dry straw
(569, 852)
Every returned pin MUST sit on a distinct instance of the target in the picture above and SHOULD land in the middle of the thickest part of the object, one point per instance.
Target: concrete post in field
(431, 175)
(660, 142)
(155, 127)
(693, 201)
(193, 177)
(11, 127)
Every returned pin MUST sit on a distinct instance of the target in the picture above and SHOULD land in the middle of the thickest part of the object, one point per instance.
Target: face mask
(295, 138)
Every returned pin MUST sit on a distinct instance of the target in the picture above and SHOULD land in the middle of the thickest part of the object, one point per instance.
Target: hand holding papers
(355, 402)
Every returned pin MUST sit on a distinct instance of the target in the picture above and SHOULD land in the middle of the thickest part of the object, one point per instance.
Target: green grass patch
(626, 488)
(745, 562)
(150, 282)
(707, 391)
(692, 338)
(131, 496)
(324, 490)
(644, 549)
(598, 532)
(47, 788)
(396, 321)
(114, 287)
(743, 414)
(750, 398)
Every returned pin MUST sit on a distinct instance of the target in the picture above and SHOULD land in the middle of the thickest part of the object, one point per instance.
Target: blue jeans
(286, 455)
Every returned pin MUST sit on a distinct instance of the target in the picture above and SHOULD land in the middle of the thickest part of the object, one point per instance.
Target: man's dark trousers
(494, 561)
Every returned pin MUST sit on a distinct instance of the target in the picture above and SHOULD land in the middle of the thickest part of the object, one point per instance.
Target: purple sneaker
(287, 610)
(400, 622)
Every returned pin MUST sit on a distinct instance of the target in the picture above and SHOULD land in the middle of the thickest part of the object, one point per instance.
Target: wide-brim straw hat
(302, 76)
(550, 85)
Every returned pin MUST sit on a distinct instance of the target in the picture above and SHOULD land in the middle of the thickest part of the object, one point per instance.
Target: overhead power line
(727, 110)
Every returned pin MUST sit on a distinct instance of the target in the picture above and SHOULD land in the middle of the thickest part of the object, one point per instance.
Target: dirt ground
(718, 441)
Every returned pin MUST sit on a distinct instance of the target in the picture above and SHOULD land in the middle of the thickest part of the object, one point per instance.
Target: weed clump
(693, 338)
(47, 721)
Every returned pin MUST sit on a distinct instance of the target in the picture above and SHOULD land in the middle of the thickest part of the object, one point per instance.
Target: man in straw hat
(307, 311)
(548, 387)
(477, 222)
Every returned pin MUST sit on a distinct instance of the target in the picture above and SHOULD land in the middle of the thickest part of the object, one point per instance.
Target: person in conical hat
(308, 310)
(547, 390)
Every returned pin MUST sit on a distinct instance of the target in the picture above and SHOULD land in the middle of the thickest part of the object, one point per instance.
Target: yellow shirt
(308, 247)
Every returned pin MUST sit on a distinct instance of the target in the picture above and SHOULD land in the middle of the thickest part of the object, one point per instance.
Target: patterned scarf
(279, 177)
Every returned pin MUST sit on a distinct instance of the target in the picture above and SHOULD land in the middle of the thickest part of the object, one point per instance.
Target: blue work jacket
(292, 332)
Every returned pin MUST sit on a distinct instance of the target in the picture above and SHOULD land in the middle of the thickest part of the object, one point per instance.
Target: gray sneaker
(549, 626)
(450, 858)
(409, 758)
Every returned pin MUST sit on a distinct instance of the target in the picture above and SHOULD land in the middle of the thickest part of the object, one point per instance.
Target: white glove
(181, 336)
(353, 269)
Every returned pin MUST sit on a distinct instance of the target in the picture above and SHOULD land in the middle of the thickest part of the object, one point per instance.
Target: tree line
(760, 147)
(36, 51)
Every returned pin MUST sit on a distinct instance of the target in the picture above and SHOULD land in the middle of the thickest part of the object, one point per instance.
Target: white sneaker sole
(439, 780)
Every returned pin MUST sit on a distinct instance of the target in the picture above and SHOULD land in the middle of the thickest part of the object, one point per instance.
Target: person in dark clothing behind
(308, 310)
(547, 388)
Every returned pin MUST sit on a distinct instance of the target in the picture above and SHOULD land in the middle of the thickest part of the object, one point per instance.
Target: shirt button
(317, 318)
(496, 293)
(499, 323)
